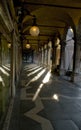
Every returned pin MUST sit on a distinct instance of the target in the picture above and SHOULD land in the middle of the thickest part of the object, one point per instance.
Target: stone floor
(45, 102)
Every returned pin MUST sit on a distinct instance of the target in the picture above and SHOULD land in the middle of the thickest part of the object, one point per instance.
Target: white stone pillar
(45, 58)
(42, 55)
(49, 54)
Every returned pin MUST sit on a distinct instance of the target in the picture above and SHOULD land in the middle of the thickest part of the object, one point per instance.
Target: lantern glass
(34, 31)
(28, 46)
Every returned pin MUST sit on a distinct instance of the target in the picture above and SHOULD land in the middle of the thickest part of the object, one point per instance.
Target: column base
(62, 72)
(77, 79)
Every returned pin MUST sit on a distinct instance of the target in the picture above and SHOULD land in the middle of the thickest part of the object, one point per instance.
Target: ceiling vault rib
(30, 39)
(40, 25)
(48, 35)
(52, 5)
(50, 26)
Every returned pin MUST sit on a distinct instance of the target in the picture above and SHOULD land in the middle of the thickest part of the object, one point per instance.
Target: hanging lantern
(28, 46)
(9, 45)
(34, 30)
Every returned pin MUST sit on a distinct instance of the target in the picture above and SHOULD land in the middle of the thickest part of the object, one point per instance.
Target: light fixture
(34, 30)
(9, 45)
(27, 45)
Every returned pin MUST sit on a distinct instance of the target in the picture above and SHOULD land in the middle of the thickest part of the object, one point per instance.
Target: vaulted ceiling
(52, 16)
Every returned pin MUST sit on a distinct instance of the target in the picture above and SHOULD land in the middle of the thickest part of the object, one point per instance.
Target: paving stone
(65, 125)
(64, 114)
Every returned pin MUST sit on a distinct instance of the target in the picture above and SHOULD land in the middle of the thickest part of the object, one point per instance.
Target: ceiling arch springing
(52, 16)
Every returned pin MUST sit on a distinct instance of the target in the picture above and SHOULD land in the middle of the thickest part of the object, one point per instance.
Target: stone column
(13, 64)
(62, 70)
(16, 62)
(49, 54)
(62, 55)
(0, 50)
(77, 77)
(45, 60)
(42, 55)
(77, 59)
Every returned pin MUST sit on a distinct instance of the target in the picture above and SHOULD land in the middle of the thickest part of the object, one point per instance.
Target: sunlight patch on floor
(34, 71)
(45, 80)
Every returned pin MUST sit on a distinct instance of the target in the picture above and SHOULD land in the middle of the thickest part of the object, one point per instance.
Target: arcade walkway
(44, 102)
